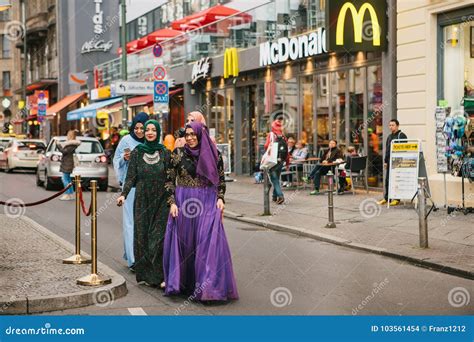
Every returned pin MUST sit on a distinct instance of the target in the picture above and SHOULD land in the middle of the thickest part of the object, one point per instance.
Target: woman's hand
(126, 155)
(120, 201)
(174, 210)
(220, 204)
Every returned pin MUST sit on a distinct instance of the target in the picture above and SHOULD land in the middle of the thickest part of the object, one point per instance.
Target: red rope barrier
(19, 204)
(83, 205)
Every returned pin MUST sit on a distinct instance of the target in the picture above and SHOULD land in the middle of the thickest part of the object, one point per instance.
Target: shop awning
(135, 101)
(90, 111)
(65, 102)
(38, 85)
(208, 16)
(163, 34)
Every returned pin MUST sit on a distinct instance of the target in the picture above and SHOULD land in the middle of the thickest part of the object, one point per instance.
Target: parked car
(21, 154)
(90, 156)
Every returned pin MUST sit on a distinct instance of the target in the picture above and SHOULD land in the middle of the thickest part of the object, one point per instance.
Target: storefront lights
(452, 33)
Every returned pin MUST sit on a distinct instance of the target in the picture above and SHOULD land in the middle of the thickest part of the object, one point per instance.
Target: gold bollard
(94, 278)
(77, 258)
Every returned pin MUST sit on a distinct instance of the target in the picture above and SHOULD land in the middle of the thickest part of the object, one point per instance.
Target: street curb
(348, 243)
(93, 296)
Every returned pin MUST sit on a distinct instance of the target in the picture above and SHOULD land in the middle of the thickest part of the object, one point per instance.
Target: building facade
(10, 59)
(435, 66)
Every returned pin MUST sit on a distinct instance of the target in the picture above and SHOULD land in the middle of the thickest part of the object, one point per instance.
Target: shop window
(307, 134)
(338, 104)
(6, 80)
(6, 47)
(458, 54)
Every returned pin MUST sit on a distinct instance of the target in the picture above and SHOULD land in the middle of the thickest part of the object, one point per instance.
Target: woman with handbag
(67, 162)
(277, 144)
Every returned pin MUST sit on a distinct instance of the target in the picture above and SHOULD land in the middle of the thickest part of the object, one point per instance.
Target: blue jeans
(66, 178)
(318, 171)
(275, 173)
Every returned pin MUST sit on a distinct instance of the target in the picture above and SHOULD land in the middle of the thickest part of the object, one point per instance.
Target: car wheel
(47, 182)
(39, 182)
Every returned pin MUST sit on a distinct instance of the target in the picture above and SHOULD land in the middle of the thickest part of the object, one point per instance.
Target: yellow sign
(102, 121)
(358, 23)
(231, 63)
(405, 147)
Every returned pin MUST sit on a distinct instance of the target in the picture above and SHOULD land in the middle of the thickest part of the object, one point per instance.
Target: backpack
(282, 148)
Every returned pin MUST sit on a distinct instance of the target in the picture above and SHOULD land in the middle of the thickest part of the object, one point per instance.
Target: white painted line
(137, 312)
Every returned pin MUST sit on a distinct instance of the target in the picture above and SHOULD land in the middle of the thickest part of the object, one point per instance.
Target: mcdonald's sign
(231, 63)
(356, 25)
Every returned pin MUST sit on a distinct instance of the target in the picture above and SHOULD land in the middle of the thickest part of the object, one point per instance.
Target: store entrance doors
(248, 129)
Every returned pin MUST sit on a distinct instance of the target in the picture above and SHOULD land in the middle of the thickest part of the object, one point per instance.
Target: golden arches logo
(357, 20)
(231, 63)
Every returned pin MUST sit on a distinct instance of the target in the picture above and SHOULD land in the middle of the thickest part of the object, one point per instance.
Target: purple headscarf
(205, 153)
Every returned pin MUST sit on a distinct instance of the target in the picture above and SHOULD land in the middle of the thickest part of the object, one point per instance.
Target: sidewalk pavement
(361, 224)
(33, 277)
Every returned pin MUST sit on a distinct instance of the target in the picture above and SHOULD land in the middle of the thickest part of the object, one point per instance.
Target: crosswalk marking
(137, 312)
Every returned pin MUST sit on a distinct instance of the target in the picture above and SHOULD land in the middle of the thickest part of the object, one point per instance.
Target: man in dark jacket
(394, 135)
(330, 156)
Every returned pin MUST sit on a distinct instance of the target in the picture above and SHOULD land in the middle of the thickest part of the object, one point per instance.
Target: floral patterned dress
(148, 174)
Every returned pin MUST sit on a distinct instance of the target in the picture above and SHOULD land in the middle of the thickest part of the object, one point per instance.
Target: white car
(21, 154)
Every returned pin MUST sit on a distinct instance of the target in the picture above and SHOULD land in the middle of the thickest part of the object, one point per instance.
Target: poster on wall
(224, 149)
(404, 166)
(441, 114)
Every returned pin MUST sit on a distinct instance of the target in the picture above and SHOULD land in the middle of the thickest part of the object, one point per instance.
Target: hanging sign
(441, 160)
(404, 166)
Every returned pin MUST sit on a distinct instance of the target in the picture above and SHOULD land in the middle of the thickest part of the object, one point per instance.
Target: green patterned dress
(148, 174)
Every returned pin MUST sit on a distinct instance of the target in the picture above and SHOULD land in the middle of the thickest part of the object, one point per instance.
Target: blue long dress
(121, 168)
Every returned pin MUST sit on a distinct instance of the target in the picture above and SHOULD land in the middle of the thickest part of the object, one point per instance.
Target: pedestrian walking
(197, 259)
(147, 172)
(276, 135)
(67, 162)
(331, 155)
(395, 133)
(121, 161)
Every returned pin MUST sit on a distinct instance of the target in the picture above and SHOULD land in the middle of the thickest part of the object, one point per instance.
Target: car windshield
(87, 147)
(30, 145)
(4, 143)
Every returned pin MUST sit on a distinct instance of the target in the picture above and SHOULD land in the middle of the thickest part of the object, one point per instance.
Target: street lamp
(4, 5)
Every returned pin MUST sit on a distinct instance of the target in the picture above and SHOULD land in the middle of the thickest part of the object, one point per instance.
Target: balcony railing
(242, 30)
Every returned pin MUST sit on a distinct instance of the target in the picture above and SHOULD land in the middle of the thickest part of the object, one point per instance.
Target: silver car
(92, 164)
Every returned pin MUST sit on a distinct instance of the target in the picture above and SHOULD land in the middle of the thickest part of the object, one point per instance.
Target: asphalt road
(277, 273)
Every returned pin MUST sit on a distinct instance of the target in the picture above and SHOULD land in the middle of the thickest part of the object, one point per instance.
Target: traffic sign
(159, 73)
(157, 50)
(41, 109)
(161, 92)
(133, 88)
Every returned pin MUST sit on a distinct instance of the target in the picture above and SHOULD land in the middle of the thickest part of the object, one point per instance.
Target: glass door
(322, 111)
(248, 129)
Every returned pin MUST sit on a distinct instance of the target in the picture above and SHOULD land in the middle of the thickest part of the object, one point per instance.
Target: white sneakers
(67, 197)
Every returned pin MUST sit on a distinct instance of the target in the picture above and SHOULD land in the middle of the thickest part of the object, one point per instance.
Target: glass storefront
(344, 103)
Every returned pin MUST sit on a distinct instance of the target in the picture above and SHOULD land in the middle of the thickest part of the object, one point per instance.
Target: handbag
(270, 157)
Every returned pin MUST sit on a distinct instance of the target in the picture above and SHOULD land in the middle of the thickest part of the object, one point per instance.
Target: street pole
(24, 113)
(266, 193)
(123, 43)
(331, 223)
(422, 219)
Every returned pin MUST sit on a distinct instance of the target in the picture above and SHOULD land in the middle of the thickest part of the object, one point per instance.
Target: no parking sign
(159, 73)
(161, 92)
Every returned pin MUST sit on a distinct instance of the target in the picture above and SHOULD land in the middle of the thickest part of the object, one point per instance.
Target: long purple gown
(197, 259)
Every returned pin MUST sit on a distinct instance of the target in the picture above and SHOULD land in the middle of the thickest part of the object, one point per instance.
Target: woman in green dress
(147, 172)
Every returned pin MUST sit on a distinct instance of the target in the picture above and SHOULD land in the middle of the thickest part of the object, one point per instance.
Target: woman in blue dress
(121, 160)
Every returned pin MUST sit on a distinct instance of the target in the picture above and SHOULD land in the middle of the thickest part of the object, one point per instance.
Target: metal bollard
(331, 223)
(77, 258)
(266, 193)
(423, 222)
(94, 278)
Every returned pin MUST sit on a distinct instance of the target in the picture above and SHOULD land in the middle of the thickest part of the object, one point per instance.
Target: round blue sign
(157, 50)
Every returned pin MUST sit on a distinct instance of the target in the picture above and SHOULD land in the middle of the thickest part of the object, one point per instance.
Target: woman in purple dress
(197, 258)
